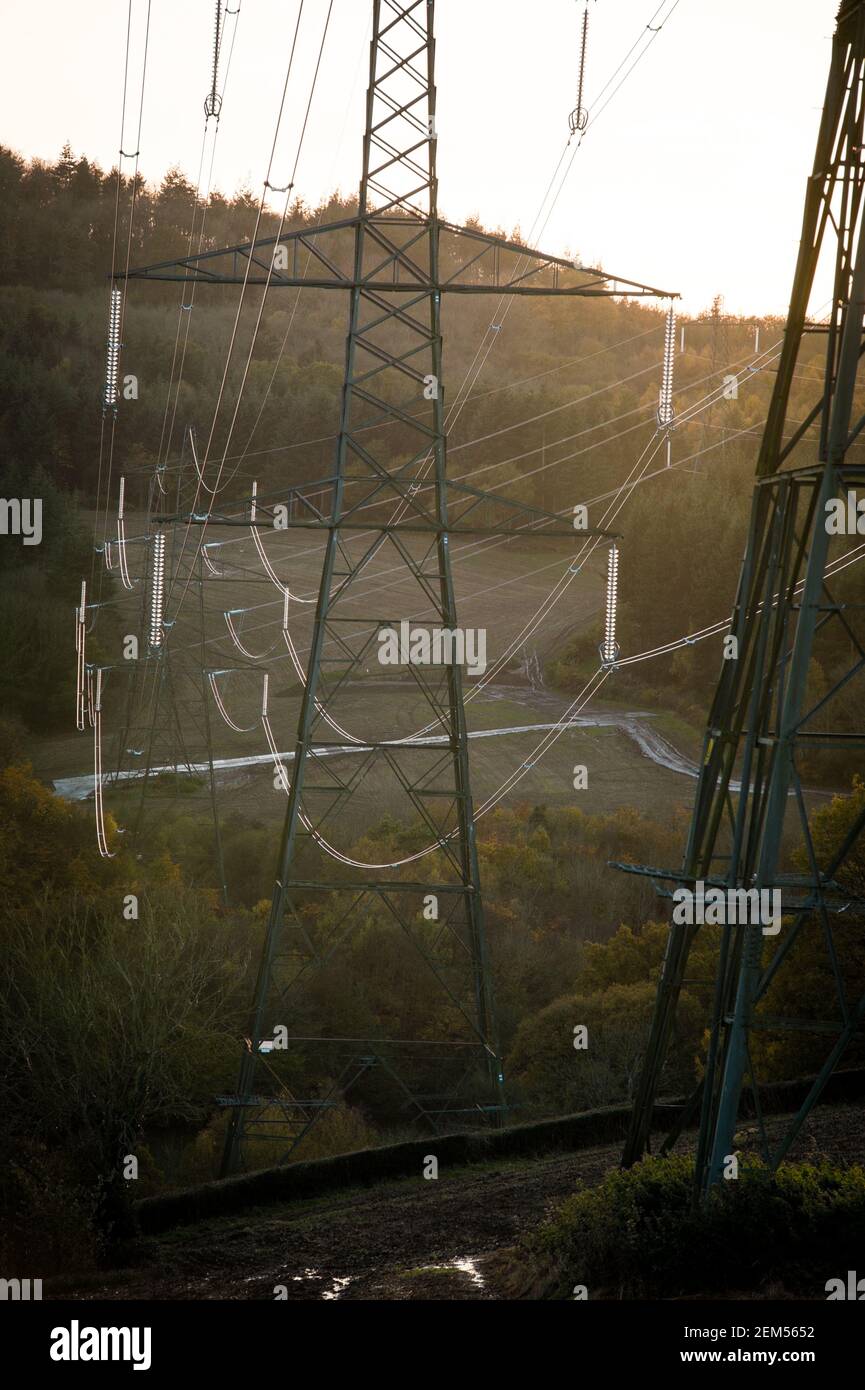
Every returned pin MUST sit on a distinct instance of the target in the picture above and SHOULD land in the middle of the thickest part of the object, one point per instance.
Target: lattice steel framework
(396, 259)
(771, 718)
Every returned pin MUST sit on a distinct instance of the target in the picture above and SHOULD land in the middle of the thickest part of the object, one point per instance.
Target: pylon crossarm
(312, 259)
(543, 524)
(830, 895)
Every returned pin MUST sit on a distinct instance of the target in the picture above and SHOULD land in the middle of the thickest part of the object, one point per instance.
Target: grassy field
(619, 774)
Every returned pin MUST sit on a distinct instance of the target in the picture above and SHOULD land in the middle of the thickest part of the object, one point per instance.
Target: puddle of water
(470, 1267)
(338, 1287)
(466, 1265)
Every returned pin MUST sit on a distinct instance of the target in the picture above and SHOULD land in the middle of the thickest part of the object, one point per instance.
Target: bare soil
(413, 1239)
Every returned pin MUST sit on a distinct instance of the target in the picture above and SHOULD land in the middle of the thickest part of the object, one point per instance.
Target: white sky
(693, 178)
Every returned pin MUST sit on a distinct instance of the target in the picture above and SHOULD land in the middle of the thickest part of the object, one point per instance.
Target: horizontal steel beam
(195, 269)
(429, 529)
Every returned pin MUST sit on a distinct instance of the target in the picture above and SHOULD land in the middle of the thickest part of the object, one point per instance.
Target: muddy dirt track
(410, 1239)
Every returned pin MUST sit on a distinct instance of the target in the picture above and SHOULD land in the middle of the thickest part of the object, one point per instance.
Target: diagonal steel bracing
(395, 259)
(767, 726)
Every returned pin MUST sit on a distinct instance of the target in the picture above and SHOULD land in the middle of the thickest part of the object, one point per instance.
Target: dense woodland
(117, 1034)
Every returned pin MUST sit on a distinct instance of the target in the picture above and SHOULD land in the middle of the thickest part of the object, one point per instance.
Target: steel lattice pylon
(765, 720)
(403, 259)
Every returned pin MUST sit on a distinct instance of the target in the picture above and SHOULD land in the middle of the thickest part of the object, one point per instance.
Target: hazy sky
(692, 178)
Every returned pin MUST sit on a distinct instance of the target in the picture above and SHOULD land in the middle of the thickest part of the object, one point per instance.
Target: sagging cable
(220, 704)
(198, 470)
(229, 616)
(262, 554)
(279, 766)
(208, 563)
(80, 637)
(101, 838)
(301, 675)
(121, 537)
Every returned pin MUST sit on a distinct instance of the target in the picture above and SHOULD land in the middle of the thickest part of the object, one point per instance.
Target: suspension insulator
(157, 591)
(665, 400)
(579, 117)
(213, 101)
(112, 355)
(609, 648)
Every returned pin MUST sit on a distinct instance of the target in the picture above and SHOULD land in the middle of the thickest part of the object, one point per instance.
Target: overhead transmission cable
(268, 185)
(134, 155)
(546, 606)
(565, 722)
(540, 614)
(642, 409)
(691, 412)
(200, 202)
(688, 413)
(576, 138)
(101, 836)
(551, 737)
(121, 536)
(589, 543)
(201, 538)
(245, 451)
(473, 372)
(116, 309)
(80, 662)
(479, 396)
(477, 366)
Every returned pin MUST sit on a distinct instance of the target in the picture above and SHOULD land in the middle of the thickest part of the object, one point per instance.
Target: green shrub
(47, 1220)
(640, 1235)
